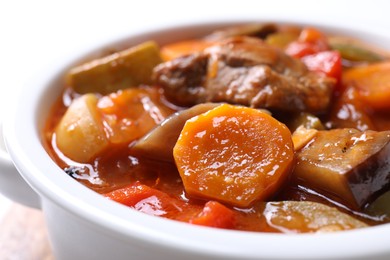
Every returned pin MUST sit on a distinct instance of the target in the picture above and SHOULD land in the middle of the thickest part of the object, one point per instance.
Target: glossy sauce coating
(252, 157)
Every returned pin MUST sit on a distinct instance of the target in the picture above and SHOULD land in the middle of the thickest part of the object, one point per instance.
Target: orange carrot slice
(235, 155)
(372, 82)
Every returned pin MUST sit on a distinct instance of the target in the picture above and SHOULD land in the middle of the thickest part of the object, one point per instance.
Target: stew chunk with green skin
(233, 154)
(308, 217)
(117, 71)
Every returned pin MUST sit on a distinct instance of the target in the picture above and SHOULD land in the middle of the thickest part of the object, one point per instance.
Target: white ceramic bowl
(85, 225)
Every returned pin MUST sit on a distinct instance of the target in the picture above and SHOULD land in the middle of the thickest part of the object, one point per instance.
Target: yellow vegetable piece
(120, 70)
(80, 134)
(281, 39)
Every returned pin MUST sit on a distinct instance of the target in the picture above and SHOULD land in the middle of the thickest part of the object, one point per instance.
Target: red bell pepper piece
(326, 62)
(300, 49)
(146, 199)
(215, 214)
(310, 41)
(132, 194)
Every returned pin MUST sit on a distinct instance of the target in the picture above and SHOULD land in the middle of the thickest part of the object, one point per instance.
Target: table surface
(34, 33)
(23, 235)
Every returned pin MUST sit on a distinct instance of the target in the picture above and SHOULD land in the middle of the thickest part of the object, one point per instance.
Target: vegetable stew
(257, 127)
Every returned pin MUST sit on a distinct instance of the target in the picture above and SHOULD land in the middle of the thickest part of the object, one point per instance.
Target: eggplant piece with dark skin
(159, 142)
(346, 164)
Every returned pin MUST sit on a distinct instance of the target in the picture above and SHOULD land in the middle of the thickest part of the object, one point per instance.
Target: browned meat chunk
(246, 71)
(346, 164)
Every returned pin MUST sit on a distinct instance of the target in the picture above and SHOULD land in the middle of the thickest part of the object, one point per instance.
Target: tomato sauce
(156, 187)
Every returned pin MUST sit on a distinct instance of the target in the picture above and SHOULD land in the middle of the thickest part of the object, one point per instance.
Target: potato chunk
(129, 114)
(346, 164)
(120, 70)
(80, 134)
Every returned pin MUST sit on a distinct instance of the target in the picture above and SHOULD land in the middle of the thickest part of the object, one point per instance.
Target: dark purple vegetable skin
(346, 164)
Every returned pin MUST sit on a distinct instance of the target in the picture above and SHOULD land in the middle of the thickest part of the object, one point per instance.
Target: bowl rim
(114, 219)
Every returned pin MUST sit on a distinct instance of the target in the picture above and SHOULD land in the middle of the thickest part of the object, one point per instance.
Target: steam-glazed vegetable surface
(257, 127)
